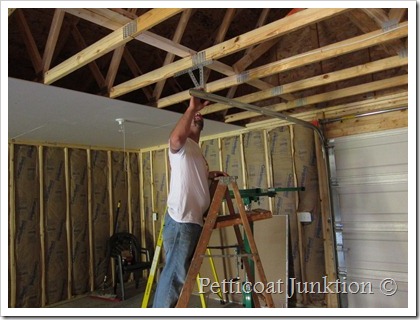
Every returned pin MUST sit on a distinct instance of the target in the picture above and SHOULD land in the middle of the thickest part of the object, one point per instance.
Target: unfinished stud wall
(63, 202)
(62, 206)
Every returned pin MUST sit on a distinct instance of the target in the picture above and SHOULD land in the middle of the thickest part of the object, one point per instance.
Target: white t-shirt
(189, 195)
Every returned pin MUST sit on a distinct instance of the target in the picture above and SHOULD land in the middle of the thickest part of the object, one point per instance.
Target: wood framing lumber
(328, 96)
(327, 52)
(265, 33)
(109, 43)
(378, 103)
(224, 221)
(112, 20)
(309, 83)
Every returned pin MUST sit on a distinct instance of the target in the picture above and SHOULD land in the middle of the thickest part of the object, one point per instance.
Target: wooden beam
(113, 21)
(42, 225)
(332, 95)
(90, 219)
(30, 44)
(360, 18)
(377, 103)
(179, 32)
(113, 67)
(265, 33)
(12, 227)
(378, 15)
(69, 234)
(52, 38)
(109, 43)
(327, 52)
(326, 219)
(136, 71)
(221, 34)
(93, 66)
(252, 54)
(372, 123)
(345, 74)
(261, 21)
(397, 14)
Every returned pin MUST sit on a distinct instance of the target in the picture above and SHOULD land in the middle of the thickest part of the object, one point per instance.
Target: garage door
(369, 174)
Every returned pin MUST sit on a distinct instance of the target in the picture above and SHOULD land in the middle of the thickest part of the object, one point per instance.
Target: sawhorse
(213, 221)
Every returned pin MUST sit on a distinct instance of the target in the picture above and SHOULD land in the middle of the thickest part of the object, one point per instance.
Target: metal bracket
(389, 25)
(199, 62)
(129, 29)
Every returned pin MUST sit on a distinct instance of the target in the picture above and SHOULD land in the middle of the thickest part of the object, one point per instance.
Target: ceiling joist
(324, 79)
(327, 52)
(265, 33)
(109, 43)
(292, 60)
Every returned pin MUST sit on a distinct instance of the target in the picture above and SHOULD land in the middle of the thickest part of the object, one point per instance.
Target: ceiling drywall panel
(47, 114)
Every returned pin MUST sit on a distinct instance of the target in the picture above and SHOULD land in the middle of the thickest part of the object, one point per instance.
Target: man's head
(198, 121)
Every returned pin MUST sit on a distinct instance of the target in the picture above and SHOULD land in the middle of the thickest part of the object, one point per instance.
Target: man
(188, 200)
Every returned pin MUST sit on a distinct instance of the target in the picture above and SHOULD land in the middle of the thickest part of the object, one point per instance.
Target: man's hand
(196, 104)
(215, 174)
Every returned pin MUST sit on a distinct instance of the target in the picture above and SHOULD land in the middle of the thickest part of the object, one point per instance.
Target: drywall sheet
(255, 165)
(119, 191)
(274, 257)
(135, 195)
(100, 214)
(280, 151)
(147, 198)
(56, 260)
(307, 176)
(79, 221)
(211, 153)
(27, 221)
(160, 187)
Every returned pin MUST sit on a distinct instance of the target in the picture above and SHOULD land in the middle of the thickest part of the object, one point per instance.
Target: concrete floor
(133, 299)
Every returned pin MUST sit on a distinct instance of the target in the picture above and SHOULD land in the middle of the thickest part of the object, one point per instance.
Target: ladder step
(235, 219)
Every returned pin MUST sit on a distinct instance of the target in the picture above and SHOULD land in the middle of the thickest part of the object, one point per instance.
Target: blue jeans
(179, 242)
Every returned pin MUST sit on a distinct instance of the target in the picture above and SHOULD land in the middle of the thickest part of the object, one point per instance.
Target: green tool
(250, 195)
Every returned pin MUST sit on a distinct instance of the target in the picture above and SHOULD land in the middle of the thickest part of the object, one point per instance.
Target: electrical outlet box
(305, 217)
(155, 216)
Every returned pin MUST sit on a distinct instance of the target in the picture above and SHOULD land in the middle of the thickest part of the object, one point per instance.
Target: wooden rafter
(397, 14)
(136, 71)
(179, 32)
(52, 38)
(265, 33)
(308, 83)
(253, 53)
(221, 34)
(261, 21)
(109, 43)
(378, 19)
(93, 67)
(113, 67)
(30, 44)
(113, 21)
(327, 52)
(376, 103)
(117, 56)
(327, 96)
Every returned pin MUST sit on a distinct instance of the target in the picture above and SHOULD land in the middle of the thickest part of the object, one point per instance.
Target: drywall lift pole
(264, 111)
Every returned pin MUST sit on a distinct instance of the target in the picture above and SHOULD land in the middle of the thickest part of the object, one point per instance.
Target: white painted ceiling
(46, 114)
